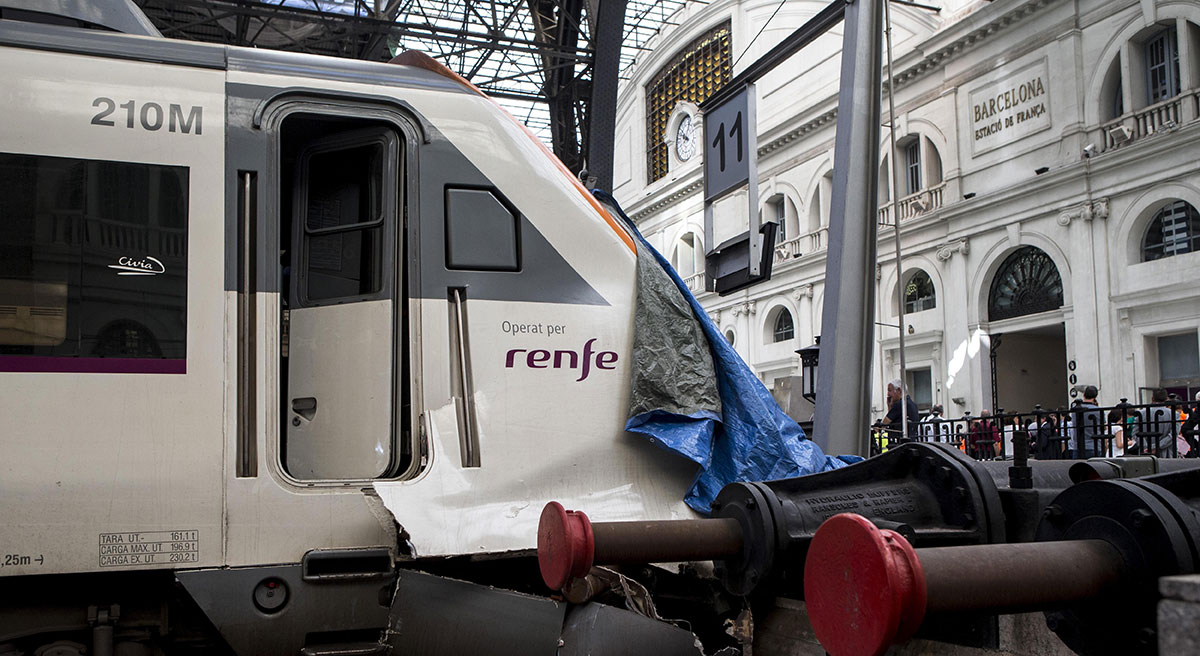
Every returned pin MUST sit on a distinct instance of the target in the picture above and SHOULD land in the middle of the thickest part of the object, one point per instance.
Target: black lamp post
(809, 356)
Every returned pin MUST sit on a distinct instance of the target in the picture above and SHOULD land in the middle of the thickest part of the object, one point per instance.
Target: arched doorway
(1028, 339)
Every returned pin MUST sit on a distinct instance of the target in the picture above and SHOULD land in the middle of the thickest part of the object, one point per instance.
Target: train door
(343, 298)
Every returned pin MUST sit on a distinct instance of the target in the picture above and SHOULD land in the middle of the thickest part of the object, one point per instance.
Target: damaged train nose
(438, 615)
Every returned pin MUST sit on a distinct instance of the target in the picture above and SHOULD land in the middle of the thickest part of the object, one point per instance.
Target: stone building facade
(1048, 189)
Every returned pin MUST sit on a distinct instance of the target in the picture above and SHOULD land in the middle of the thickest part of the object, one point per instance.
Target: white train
(250, 298)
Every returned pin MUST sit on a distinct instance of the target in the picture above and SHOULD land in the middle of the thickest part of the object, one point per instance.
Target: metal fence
(1168, 430)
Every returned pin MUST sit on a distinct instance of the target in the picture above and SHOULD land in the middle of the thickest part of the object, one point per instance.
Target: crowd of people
(1166, 427)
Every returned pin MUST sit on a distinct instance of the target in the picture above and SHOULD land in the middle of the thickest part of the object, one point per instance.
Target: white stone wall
(1087, 214)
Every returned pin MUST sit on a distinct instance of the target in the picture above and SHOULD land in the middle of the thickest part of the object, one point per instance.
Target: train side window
(93, 265)
(482, 231)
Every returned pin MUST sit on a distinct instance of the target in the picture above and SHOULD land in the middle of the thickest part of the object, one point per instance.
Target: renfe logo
(543, 359)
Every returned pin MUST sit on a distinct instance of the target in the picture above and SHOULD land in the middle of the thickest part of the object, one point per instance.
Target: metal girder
(552, 63)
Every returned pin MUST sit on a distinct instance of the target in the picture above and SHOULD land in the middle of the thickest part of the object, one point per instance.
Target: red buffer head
(863, 586)
(566, 547)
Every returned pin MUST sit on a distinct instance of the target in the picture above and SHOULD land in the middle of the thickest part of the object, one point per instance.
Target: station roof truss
(535, 57)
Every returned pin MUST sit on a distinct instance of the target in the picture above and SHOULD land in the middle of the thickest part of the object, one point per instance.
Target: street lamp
(809, 356)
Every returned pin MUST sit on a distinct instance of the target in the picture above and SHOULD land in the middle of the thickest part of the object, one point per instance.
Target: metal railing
(134, 239)
(1170, 429)
(1162, 115)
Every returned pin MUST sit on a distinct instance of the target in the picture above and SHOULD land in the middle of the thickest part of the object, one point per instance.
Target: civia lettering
(559, 359)
(147, 266)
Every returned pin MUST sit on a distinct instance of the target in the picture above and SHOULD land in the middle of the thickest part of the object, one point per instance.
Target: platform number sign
(728, 144)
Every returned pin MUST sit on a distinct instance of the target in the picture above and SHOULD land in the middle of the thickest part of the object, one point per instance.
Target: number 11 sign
(729, 144)
(730, 161)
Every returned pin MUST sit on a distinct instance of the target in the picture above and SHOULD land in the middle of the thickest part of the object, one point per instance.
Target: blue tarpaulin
(744, 437)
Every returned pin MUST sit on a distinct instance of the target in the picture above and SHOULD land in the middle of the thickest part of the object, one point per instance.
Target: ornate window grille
(1174, 230)
(692, 76)
(1026, 283)
(784, 328)
(919, 294)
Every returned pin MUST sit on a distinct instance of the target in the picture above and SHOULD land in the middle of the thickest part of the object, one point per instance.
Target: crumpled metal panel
(599, 630)
(436, 616)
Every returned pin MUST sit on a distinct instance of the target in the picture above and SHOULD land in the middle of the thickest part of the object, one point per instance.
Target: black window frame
(386, 220)
(917, 303)
(783, 333)
(1180, 210)
(912, 166)
(123, 252)
(1164, 47)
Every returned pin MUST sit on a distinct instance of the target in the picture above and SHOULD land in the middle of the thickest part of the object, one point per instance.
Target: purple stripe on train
(51, 364)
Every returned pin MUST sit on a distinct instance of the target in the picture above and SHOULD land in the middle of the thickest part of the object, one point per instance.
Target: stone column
(958, 319)
(1083, 333)
(1187, 69)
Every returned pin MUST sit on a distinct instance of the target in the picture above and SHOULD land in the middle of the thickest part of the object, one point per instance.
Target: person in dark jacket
(1047, 446)
(1088, 424)
(1190, 429)
(892, 421)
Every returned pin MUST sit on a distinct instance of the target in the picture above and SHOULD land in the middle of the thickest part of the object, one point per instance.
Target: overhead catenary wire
(760, 31)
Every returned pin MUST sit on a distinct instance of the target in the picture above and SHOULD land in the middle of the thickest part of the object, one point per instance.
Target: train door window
(344, 364)
(344, 218)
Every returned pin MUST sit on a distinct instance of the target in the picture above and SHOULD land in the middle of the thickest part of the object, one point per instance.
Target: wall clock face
(685, 138)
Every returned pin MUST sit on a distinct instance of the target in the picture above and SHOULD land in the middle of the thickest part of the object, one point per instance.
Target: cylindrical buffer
(867, 588)
(569, 544)
(1017, 577)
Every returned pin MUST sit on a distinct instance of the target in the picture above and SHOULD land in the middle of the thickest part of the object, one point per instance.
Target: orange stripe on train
(422, 60)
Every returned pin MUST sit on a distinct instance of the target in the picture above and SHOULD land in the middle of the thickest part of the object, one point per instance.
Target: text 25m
(150, 116)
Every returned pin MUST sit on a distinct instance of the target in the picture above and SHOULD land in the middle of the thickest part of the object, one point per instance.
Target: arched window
(1174, 230)
(691, 76)
(1027, 282)
(729, 337)
(918, 293)
(1112, 95)
(688, 256)
(818, 204)
(784, 328)
(780, 209)
(920, 168)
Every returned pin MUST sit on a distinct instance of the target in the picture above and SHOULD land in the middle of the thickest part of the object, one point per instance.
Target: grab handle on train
(305, 406)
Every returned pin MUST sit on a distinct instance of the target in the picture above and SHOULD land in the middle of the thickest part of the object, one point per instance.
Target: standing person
(1049, 447)
(1117, 429)
(1156, 427)
(893, 419)
(931, 424)
(984, 437)
(1010, 432)
(1088, 424)
(1190, 430)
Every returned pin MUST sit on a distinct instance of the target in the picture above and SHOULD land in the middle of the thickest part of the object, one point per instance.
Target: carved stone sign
(1011, 108)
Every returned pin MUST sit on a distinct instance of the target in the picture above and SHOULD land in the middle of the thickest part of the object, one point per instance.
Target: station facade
(1048, 183)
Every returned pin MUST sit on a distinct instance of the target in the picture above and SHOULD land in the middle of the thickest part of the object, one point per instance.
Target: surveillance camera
(1089, 150)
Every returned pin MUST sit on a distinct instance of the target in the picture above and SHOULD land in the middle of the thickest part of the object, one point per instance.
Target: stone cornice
(683, 192)
(925, 65)
(966, 41)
